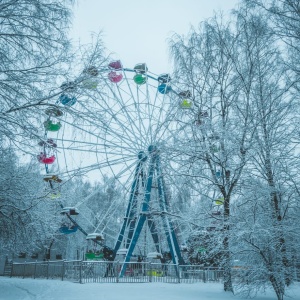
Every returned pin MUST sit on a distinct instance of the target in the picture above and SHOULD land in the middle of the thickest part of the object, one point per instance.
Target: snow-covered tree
(268, 192)
(210, 64)
(26, 214)
(34, 50)
(243, 134)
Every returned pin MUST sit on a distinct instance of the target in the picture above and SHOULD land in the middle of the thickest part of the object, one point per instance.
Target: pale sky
(138, 31)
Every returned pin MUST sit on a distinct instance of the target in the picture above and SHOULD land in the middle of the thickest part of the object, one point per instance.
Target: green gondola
(94, 255)
(186, 104)
(49, 126)
(140, 79)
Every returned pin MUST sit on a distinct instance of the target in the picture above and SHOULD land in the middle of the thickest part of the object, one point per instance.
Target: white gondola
(122, 251)
(52, 177)
(184, 247)
(154, 255)
(95, 236)
(73, 211)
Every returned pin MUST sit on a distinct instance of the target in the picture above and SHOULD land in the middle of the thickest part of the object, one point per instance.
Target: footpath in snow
(41, 289)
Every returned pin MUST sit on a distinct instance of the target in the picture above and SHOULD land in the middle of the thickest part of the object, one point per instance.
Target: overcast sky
(138, 31)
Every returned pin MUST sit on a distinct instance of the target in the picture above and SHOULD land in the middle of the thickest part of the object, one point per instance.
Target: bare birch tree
(210, 64)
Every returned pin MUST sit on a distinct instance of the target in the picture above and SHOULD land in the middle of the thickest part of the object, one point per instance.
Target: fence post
(178, 273)
(80, 272)
(204, 275)
(34, 274)
(117, 272)
(63, 271)
(150, 272)
(12, 268)
(24, 269)
(47, 269)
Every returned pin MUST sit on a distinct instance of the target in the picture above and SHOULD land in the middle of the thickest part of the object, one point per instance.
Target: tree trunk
(227, 266)
(226, 251)
(278, 287)
(275, 198)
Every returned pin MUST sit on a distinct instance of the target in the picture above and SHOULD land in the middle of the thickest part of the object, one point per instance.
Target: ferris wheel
(129, 124)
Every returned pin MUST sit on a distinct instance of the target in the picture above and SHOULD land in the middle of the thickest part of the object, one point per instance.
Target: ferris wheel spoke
(78, 146)
(134, 94)
(112, 132)
(80, 170)
(102, 125)
(132, 121)
(119, 175)
(121, 104)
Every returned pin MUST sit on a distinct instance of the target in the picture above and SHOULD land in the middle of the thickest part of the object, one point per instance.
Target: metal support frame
(130, 215)
(136, 223)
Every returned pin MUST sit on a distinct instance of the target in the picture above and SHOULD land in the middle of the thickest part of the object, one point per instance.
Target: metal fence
(103, 271)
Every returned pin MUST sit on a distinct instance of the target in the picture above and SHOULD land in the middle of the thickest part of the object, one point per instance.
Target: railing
(103, 271)
(47, 269)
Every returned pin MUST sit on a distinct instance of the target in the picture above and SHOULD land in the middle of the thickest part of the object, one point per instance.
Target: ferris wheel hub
(142, 156)
(152, 149)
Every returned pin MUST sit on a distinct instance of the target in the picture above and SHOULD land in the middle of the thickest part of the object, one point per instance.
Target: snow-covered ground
(41, 289)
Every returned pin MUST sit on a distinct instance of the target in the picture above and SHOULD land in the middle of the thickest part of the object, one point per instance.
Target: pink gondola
(42, 158)
(115, 77)
(116, 65)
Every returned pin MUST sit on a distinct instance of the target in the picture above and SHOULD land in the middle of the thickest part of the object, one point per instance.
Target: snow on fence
(103, 271)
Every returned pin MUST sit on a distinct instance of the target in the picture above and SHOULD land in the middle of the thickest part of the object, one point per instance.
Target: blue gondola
(164, 88)
(66, 100)
(67, 230)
